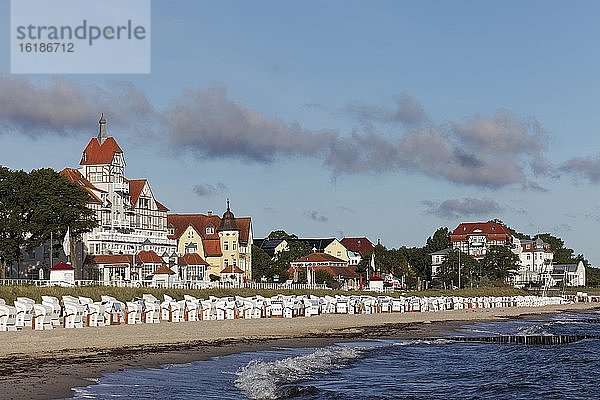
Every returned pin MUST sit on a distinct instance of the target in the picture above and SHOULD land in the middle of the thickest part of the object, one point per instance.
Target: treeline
(34, 204)
(414, 263)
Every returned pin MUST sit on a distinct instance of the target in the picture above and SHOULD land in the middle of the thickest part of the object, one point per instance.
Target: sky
(386, 119)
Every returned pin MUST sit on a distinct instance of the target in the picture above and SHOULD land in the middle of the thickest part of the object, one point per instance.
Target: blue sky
(328, 118)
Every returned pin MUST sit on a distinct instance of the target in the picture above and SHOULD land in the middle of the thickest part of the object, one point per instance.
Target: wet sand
(47, 364)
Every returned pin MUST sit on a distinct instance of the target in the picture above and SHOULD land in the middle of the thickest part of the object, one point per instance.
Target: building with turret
(225, 243)
(130, 219)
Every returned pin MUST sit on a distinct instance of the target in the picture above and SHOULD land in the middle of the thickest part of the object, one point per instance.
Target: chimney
(209, 213)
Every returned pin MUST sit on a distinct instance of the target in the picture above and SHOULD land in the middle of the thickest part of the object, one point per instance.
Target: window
(234, 262)
(233, 245)
(190, 234)
(226, 246)
(210, 230)
(226, 263)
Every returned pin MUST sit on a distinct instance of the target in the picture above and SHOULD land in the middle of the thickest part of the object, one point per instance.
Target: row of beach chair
(79, 312)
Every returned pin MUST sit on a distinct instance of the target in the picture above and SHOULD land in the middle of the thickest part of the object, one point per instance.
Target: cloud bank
(460, 208)
(485, 151)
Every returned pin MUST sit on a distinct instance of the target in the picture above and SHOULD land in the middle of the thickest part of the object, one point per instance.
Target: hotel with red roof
(135, 237)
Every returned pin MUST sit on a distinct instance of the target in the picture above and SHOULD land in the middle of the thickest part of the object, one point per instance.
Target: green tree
(16, 194)
(562, 254)
(498, 264)
(448, 272)
(281, 234)
(440, 240)
(262, 265)
(326, 278)
(592, 277)
(296, 249)
(59, 204)
(34, 205)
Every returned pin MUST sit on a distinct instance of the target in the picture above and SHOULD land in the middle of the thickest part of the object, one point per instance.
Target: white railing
(126, 238)
(170, 285)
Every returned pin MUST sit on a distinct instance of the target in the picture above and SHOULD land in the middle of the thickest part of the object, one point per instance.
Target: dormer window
(210, 230)
(171, 231)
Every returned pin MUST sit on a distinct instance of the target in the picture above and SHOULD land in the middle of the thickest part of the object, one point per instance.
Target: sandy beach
(47, 364)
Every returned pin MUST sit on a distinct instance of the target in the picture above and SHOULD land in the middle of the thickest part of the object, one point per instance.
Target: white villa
(535, 256)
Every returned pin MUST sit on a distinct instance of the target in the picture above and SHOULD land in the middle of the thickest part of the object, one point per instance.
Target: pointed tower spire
(228, 204)
(102, 135)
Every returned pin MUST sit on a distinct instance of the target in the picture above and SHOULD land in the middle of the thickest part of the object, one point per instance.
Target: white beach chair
(8, 318)
(42, 317)
(24, 308)
(53, 303)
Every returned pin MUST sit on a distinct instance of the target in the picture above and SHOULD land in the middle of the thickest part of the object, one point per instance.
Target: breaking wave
(267, 380)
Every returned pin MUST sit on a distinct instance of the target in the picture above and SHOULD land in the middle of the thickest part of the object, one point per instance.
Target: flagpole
(51, 249)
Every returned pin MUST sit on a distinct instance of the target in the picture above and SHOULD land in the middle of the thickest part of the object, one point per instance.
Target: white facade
(129, 218)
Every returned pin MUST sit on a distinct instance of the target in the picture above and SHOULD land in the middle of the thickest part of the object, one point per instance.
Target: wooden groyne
(523, 339)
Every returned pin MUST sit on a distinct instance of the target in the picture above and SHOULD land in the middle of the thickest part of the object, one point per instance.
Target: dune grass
(10, 293)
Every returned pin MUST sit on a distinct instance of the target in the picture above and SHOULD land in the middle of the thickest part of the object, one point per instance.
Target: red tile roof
(346, 272)
(492, 230)
(148, 257)
(191, 259)
(200, 221)
(161, 206)
(360, 245)
(96, 153)
(135, 189)
(230, 269)
(109, 259)
(164, 270)
(62, 266)
(318, 257)
(75, 176)
(212, 248)
(244, 224)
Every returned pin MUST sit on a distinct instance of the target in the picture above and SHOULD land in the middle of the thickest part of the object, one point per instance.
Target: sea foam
(263, 380)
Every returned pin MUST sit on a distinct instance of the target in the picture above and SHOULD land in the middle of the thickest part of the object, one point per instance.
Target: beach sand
(47, 364)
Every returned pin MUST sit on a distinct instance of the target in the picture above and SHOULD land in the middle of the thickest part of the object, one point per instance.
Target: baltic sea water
(387, 369)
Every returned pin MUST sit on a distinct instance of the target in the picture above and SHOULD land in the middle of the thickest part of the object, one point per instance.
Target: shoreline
(48, 364)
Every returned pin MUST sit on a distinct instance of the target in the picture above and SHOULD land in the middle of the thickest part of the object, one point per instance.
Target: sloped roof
(135, 189)
(161, 206)
(318, 244)
(164, 270)
(62, 266)
(360, 245)
(200, 221)
(230, 269)
(345, 272)
(318, 257)
(442, 252)
(96, 153)
(191, 259)
(75, 176)
(492, 230)
(109, 259)
(244, 224)
(212, 247)
(148, 257)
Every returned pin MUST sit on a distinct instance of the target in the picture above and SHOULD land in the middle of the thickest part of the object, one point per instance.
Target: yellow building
(223, 242)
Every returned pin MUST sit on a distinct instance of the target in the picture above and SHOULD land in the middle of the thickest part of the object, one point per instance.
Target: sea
(448, 367)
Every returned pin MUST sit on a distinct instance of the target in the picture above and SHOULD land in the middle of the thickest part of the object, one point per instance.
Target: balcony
(120, 224)
(121, 187)
(128, 238)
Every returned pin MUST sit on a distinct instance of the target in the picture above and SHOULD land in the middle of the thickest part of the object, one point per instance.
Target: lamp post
(459, 269)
